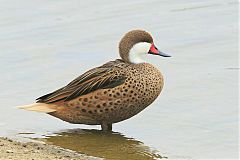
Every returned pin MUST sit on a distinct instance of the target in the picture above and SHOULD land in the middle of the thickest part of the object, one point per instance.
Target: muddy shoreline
(15, 150)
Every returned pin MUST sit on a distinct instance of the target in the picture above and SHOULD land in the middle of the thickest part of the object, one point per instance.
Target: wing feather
(105, 76)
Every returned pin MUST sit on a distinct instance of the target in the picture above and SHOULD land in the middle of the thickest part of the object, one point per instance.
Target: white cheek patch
(137, 51)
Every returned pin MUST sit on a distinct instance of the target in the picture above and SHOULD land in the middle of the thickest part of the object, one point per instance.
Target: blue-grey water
(46, 44)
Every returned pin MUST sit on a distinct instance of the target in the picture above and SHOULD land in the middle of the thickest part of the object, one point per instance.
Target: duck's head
(137, 43)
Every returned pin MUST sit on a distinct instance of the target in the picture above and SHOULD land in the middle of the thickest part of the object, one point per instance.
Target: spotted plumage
(110, 93)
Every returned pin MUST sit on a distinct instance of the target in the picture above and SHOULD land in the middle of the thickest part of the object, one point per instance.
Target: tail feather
(39, 107)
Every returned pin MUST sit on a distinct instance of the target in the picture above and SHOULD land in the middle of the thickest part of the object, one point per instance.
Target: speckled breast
(142, 87)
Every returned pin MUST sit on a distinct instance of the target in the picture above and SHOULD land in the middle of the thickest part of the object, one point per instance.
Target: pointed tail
(39, 107)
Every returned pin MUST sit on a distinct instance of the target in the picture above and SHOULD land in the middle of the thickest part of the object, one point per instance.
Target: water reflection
(111, 145)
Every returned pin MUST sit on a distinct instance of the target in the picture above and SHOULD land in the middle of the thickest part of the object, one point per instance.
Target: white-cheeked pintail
(112, 92)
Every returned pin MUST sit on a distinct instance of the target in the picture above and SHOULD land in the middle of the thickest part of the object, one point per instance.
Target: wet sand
(13, 150)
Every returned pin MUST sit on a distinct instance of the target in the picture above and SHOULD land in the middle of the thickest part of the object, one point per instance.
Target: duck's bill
(163, 54)
(153, 50)
(159, 53)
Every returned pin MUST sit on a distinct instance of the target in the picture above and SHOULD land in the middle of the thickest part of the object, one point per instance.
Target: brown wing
(105, 76)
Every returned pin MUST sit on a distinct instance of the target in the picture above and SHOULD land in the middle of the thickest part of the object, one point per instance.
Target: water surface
(107, 145)
(46, 44)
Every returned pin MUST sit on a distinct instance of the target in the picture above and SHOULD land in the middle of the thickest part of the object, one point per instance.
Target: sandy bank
(13, 150)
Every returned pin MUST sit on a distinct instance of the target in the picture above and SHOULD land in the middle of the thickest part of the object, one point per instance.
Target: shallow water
(46, 44)
(110, 145)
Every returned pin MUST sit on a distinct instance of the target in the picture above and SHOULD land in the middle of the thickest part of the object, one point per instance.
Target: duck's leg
(106, 126)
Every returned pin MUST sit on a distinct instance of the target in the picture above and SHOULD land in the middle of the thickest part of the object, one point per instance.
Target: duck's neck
(137, 52)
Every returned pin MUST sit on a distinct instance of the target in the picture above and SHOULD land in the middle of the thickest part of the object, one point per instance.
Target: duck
(112, 92)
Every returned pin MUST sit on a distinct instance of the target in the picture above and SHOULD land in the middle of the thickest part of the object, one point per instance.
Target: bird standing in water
(112, 92)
